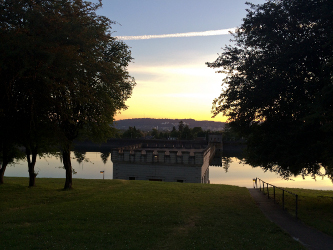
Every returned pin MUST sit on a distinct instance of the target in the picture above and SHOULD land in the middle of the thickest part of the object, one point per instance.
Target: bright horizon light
(173, 92)
(170, 42)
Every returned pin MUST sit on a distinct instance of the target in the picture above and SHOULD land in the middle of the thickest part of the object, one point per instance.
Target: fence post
(296, 205)
(255, 183)
(274, 194)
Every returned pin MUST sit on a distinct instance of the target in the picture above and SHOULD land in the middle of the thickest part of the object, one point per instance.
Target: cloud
(190, 69)
(188, 34)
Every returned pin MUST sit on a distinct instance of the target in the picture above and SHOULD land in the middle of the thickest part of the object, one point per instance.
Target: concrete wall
(163, 156)
(215, 138)
(165, 164)
(169, 173)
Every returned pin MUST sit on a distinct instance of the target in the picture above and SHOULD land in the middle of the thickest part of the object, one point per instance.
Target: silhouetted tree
(155, 133)
(24, 116)
(181, 126)
(132, 133)
(8, 154)
(61, 62)
(186, 133)
(174, 133)
(164, 135)
(278, 88)
(198, 132)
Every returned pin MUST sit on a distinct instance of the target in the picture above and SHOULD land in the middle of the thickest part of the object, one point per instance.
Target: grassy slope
(115, 214)
(314, 207)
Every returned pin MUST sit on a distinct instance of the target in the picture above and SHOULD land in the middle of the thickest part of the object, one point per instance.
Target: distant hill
(147, 124)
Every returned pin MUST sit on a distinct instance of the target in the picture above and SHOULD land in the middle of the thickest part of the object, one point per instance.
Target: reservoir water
(235, 173)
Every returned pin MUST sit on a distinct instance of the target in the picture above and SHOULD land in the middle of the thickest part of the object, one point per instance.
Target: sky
(170, 41)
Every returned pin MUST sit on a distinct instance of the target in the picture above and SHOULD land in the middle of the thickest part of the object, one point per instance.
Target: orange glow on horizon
(128, 115)
(174, 91)
(167, 105)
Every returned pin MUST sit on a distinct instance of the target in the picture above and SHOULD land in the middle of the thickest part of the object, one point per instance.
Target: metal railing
(264, 185)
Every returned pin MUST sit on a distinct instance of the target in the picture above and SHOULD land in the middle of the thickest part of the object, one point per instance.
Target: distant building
(215, 138)
(171, 163)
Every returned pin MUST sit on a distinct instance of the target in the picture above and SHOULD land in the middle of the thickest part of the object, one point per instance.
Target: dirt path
(307, 236)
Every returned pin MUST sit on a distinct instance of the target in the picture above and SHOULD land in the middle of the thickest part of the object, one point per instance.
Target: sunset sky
(170, 41)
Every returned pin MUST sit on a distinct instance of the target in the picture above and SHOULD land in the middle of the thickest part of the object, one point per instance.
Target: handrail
(255, 185)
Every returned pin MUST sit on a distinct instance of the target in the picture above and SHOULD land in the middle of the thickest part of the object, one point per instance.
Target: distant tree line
(182, 132)
(145, 124)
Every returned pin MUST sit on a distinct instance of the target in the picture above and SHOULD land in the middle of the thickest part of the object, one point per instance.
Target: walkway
(307, 236)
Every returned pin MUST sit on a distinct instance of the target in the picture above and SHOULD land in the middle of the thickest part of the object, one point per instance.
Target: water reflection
(231, 171)
(105, 156)
(80, 156)
(87, 166)
(234, 171)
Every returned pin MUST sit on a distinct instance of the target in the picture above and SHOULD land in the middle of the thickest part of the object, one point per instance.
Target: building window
(155, 179)
(131, 178)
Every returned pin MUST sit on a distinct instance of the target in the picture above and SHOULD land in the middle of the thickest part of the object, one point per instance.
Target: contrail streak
(188, 34)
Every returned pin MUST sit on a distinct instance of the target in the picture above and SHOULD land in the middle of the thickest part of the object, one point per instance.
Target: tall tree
(186, 133)
(70, 58)
(174, 133)
(18, 102)
(198, 132)
(132, 133)
(8, 153)
(278, 87)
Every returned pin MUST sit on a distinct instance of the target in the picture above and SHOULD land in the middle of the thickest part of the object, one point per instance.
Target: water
(51, 167)
(240, 174)
(237, 173)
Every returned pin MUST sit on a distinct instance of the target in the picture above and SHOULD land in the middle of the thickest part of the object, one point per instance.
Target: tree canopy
(278, 88)
(132, 133)
(61, 72)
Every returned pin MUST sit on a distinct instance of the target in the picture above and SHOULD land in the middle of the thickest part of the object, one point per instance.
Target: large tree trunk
(66, 158)
(5, 162)
(31, 165)
(2, 171)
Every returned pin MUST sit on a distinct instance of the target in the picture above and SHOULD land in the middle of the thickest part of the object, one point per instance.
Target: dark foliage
(279, 84)
(63, 76)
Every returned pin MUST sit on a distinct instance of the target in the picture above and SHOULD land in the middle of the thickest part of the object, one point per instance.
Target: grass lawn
(315, 207)
(116, 214)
